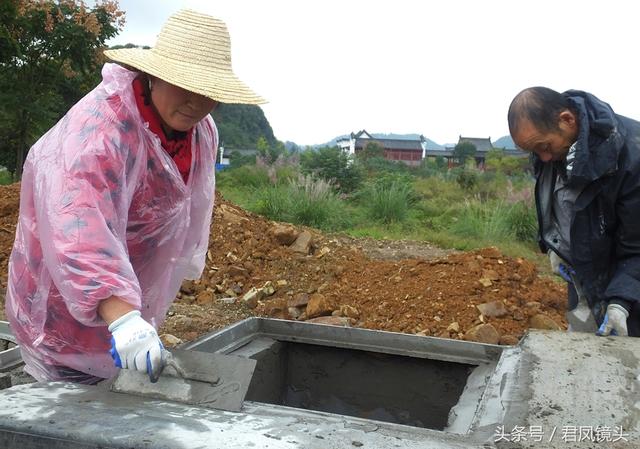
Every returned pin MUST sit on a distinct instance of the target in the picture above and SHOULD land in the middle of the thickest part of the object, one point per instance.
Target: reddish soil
(394, 286)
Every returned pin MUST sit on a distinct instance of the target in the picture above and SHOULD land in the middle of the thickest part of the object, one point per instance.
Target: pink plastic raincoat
(103, 211)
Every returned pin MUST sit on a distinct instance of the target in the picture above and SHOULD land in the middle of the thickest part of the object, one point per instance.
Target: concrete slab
(578, 388)
(554, 390)
(59, 415)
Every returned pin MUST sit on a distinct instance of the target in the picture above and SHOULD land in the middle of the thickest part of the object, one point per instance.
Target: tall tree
(463, 151)
(50, 54)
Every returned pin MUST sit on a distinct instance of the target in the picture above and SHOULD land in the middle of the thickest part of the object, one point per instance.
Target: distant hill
(505, 142)
(431, 145)
(241, 125)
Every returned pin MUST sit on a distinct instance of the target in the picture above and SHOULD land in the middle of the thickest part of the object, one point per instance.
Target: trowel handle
(167, 360)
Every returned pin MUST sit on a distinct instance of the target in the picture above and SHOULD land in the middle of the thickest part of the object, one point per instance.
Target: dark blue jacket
(605, 223)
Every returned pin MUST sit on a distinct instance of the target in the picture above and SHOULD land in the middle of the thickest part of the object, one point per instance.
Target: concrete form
(9, 358)
(323, 387)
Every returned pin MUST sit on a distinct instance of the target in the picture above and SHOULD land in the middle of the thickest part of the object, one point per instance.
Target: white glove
(555, 261)
(615, 321)
(560, 267)
(135, 344)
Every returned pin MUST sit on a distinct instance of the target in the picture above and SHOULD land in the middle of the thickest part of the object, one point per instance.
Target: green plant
(497, 221)
(5, 177)
(333, 165)
(463, 151)
(467, 179)
(305, 201)
(389, 203)
(274, 203)
(50, 56)
(252, 176)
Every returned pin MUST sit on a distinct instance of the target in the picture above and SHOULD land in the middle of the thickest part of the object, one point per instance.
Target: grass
(306, 201)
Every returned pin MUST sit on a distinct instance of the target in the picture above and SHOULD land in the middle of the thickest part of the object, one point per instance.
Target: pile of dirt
(257, 267)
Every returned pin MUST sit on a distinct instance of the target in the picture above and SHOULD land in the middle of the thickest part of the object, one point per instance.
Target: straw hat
(193, 51)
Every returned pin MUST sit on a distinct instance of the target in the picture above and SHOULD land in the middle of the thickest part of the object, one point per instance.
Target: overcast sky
(439, 68)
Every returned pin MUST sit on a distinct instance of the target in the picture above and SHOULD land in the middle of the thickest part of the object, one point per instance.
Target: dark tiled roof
(391, 144)
(482, 144)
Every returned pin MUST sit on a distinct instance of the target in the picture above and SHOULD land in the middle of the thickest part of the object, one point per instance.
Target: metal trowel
(208, 380)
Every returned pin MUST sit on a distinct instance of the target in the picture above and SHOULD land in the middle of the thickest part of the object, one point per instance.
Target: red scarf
(179, 146)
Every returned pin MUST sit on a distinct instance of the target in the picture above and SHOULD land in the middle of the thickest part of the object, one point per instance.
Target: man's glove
(615, 321)
(135, 344)
(559, 267)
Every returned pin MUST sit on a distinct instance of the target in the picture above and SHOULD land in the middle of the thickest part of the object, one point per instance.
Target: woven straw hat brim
(218, 84)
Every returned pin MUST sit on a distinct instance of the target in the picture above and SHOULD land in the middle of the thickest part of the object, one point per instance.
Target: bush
(467, 179)
(523, 222)
(389, 203)
(333, 165)
(497, 221)
(306, 201)
(5, 177)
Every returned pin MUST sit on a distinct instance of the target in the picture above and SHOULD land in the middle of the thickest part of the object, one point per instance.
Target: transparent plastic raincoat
(104, 212)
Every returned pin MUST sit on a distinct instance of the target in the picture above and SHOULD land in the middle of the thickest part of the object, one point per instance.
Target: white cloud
(439, 68)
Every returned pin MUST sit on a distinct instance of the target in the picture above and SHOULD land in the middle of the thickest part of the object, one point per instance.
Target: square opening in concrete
(424, 382)
(384, 387)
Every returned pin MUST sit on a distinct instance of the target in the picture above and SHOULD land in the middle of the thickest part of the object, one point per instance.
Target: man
(587, 166)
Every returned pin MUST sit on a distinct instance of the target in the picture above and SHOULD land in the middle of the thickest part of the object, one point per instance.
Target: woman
(116, 203)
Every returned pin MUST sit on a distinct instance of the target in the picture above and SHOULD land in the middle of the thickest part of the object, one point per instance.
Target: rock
(533, 305)
(349, 311)
(229, 215)
(251, 298)
(492, 275)
(299, 300)
(331, 320)
(170, 341)
(281, 283)
(541, 321)
(508, 340)
(323, 252)
(229, 300)
(294, 312)
(249, 266)
(188, 287)
(493, 309)
(205, 297)
(302, 244)
(454, 327)
(485, 282)
(443, 334)
(267, 289)
(285, 235)
(230, 292)
(235, 270)
(273, 307)
(483, 333)
(319, 305)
